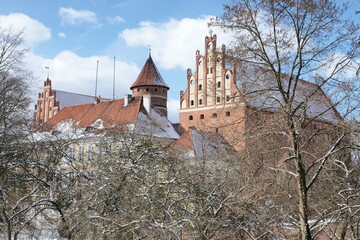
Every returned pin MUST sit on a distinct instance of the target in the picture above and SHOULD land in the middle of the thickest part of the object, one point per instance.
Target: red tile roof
(110, 112)
(149, 76)
(185, 142)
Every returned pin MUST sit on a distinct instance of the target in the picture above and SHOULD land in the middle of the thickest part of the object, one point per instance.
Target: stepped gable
(110, 112)
(149, 76)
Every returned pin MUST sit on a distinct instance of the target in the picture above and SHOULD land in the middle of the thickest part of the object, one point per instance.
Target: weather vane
(48, 70)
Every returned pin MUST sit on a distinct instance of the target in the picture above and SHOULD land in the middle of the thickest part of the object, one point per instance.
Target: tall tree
(279, 43)
(28, 168)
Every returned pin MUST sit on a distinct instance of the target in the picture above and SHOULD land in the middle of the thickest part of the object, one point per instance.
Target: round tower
(150, 82)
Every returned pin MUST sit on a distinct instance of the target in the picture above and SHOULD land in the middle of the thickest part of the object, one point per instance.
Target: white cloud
(115, 20)
(173, 43)
(173, 106)
(62, 35)
(34, 31)
(73, 17)
(70, 72)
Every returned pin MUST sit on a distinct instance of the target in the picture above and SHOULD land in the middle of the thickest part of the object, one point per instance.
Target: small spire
(210, 32)
(149, 46)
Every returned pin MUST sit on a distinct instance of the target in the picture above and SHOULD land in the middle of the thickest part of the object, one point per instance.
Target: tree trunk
(8, 224)
(303, 204)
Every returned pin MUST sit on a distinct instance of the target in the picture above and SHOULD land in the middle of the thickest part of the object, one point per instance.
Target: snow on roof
(66, 130)
(261, 91)
(111, 114)
(155, 124)
(208, 145)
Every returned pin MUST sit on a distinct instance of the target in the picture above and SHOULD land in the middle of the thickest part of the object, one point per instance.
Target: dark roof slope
(149, 76)
(68, 98)
(262, 92)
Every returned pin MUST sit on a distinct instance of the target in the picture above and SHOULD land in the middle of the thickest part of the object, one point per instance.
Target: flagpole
(114, 81)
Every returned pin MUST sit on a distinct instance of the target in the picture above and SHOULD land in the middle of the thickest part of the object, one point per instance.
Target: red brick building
(219, 95)
(143, 111)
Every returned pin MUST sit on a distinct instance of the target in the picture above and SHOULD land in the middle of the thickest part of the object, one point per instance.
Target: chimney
(147, 102)
(98, 100)
(127, 99)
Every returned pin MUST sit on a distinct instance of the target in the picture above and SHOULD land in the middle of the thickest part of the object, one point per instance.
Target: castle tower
(150, 83)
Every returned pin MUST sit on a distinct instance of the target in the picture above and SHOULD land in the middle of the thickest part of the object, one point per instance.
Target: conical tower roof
(149, 76)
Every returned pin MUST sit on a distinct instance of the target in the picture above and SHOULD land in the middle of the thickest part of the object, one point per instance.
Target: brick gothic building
(218, 95)
(149, 98)
(216, 98)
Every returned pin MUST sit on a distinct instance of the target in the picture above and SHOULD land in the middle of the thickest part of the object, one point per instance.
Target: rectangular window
(200, 87)
(200, 101)
(218, 99)
(71, 153)
(192, 102)
(81, 154)
(90, 153)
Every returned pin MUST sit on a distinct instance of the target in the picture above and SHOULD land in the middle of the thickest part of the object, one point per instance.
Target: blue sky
(70, 36)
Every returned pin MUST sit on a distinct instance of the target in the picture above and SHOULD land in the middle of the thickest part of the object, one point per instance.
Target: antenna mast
(96, 79)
